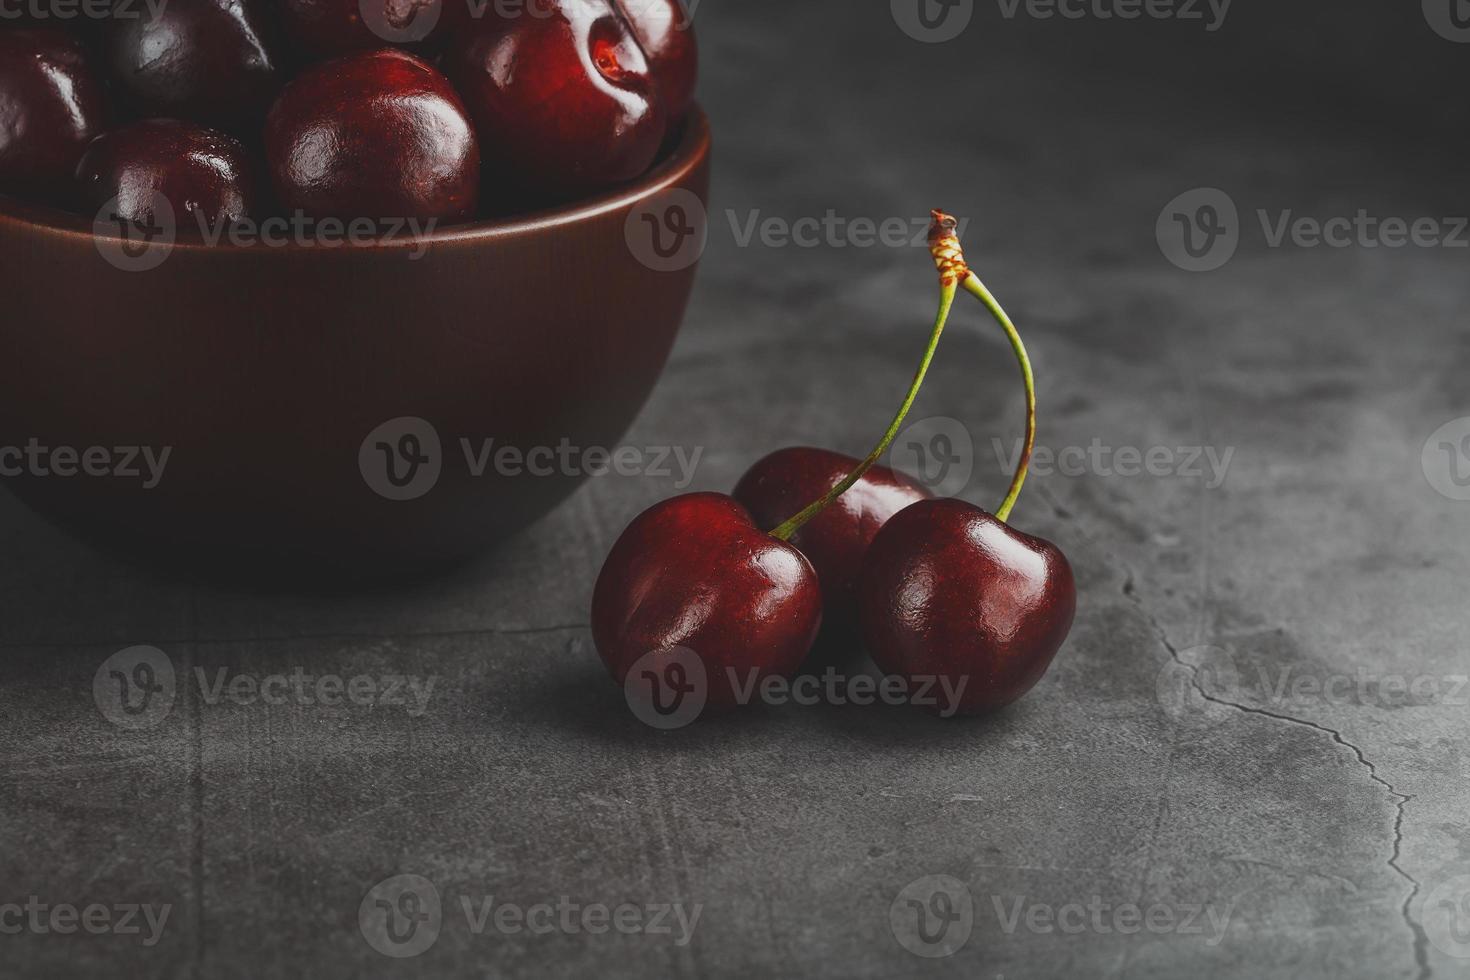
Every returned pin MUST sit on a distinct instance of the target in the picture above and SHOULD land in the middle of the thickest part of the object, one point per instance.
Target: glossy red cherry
(665, 31)
(51, 106)
(563, 100)
(377, 135)
(210, 61)
(696, 573)
(324, 28)
(949, 592)
(206, 177)
(835, 540)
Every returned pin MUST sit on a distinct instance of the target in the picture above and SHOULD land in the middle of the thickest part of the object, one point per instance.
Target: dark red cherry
(378, 135)
(695, 573)
(51, 106)
(562, 98)
(947, 592)
(665, 31)
(323, 28)
(206, 177)
(835, 541)
(209, 61)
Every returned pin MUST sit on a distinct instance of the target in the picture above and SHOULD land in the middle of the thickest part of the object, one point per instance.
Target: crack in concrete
(1400, 800)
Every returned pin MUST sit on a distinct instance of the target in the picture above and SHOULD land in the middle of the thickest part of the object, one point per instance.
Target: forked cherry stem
(949, 258)
(946, 301)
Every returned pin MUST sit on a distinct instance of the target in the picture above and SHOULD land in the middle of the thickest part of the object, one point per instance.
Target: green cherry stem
(946, 302)
(976, 288)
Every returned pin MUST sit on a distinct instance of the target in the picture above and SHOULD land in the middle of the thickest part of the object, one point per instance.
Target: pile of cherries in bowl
(438, 111)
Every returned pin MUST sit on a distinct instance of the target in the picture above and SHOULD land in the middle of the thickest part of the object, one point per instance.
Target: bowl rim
(689, 153)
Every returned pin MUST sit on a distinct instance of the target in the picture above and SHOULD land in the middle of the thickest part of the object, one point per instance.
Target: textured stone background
(1169, 761)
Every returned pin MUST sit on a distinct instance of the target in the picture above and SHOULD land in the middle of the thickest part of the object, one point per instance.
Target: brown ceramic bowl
(272, 376)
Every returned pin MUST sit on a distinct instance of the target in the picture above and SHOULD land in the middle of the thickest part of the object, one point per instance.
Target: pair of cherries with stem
(940, 591)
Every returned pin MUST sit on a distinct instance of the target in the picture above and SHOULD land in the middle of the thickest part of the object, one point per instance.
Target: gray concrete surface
(1249, 761)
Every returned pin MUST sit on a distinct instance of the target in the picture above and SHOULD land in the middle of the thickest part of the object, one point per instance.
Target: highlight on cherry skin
(949, 592)
(696, 572)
